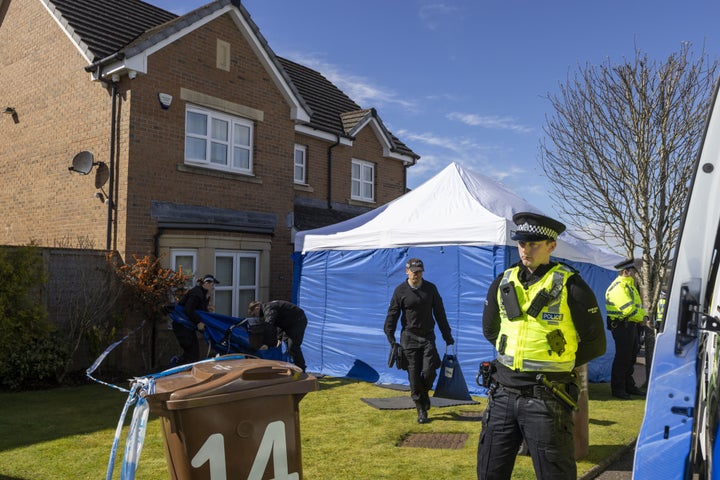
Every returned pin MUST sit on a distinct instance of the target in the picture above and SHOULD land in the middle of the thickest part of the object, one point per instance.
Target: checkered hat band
(537, 230)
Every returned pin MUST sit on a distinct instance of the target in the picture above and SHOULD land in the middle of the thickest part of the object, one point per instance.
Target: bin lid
(223, 380)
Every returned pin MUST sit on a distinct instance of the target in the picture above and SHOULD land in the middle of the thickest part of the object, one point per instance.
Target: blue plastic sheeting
(227, 335)
(345, 295)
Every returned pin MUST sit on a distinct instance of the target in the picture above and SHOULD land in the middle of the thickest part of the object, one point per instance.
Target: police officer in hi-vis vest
(626, 317)
(544, 321)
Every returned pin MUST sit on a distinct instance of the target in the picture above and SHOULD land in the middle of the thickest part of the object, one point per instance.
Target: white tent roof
(455, 207)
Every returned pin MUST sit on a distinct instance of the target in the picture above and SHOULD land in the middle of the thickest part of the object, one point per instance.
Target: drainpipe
(156, 241)
(111, 188)
(405, 174)
(329, 172)
(96, 68)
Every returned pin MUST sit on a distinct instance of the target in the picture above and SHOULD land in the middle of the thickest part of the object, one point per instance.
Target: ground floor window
(238, 274)
(185, 261)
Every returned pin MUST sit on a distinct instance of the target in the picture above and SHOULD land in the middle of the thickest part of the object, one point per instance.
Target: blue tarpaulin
(345, 274)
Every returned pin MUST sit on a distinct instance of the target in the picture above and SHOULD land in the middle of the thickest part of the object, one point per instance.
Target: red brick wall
(156, 143)
(60, 112)
(389, 173)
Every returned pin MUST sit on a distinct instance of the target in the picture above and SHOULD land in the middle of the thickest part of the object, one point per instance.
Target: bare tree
(621, 147)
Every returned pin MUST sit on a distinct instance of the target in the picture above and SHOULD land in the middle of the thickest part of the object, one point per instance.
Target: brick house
(199, 143)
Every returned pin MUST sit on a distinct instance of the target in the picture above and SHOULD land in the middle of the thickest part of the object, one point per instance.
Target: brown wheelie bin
(232, 418)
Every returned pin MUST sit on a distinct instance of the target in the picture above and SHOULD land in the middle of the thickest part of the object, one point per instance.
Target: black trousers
(627, 346)
(423, 362)
(188, 341)
(293, 338)
(542, 421)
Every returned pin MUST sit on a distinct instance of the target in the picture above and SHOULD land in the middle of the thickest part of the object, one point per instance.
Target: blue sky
(466, 81)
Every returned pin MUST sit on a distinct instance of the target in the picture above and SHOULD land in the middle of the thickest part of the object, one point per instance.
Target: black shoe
(636, 391)
(621, 395)
(422, 416)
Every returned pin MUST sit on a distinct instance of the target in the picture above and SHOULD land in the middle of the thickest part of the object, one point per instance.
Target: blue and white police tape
(140, 388)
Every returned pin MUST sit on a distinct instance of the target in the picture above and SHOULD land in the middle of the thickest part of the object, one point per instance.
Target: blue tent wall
(345, 295)
(599, 279)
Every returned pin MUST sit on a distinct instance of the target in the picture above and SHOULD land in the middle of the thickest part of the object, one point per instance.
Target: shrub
(29, 351)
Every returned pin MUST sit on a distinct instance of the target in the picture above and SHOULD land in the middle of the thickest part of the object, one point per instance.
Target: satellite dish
(82, 162)
(102, 174)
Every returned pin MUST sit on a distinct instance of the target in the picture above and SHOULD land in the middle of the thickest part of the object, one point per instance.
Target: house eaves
(99, 28)
(354, 122)
(336, 117)
(131, 57)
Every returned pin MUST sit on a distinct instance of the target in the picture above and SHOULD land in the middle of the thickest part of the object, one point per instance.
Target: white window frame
(360, 182)
(177, 252)
(230, 143)
(300, 164)
(238, 310)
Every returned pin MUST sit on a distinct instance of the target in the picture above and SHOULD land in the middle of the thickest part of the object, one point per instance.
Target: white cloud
(439, 151)
(492, 121)
(435, 14)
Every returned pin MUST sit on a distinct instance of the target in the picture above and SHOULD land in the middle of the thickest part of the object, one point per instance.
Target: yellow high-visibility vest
(523, 343)
(622, 301)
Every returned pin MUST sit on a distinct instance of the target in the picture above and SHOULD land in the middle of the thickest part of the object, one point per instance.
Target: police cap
(626, 264)
(533, 227)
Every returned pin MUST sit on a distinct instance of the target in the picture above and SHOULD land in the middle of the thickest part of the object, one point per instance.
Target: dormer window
(363, 181)
(300, 164)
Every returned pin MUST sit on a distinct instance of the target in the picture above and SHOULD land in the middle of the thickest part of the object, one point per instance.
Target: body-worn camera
(509, 299)
(484, 376)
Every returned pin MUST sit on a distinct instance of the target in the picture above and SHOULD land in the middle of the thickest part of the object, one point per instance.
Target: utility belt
(620, 322)
(537, 391)
(617, 322)
(566, 393)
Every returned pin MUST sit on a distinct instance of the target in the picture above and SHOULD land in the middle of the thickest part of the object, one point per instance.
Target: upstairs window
(300, 164)
(363, 181)
(217, 140)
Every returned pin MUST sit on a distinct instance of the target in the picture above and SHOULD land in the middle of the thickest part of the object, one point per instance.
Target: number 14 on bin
(273, 443)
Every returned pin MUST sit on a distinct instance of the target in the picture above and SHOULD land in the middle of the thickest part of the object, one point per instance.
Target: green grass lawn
(67, 433)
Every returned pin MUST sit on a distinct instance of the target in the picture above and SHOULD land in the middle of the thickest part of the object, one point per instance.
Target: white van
(678, 436)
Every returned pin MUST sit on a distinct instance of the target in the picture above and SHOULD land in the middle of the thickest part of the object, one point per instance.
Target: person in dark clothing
(544, 320)
(290, 322)
(196, 299)
(418, 305)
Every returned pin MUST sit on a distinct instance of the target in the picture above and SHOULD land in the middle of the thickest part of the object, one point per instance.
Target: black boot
(426, 401)
(422, 415)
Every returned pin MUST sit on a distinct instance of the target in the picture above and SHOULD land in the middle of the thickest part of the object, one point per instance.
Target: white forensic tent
(459, 223)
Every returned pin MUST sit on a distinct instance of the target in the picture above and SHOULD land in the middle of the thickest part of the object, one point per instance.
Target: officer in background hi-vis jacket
(544, 321)
(626, 317)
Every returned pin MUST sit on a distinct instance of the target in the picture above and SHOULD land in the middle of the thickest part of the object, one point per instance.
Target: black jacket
(418, 309)
(285, 316)
(195, 299)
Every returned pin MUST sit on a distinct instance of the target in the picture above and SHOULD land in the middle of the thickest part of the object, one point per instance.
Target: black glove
(449, 340)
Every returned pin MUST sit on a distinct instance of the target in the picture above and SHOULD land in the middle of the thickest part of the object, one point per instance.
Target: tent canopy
(460, 224)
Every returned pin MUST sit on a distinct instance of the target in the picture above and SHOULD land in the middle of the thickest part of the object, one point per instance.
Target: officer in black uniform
(418, 305)
(526, 318)
(195, 300)
(290, 322)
